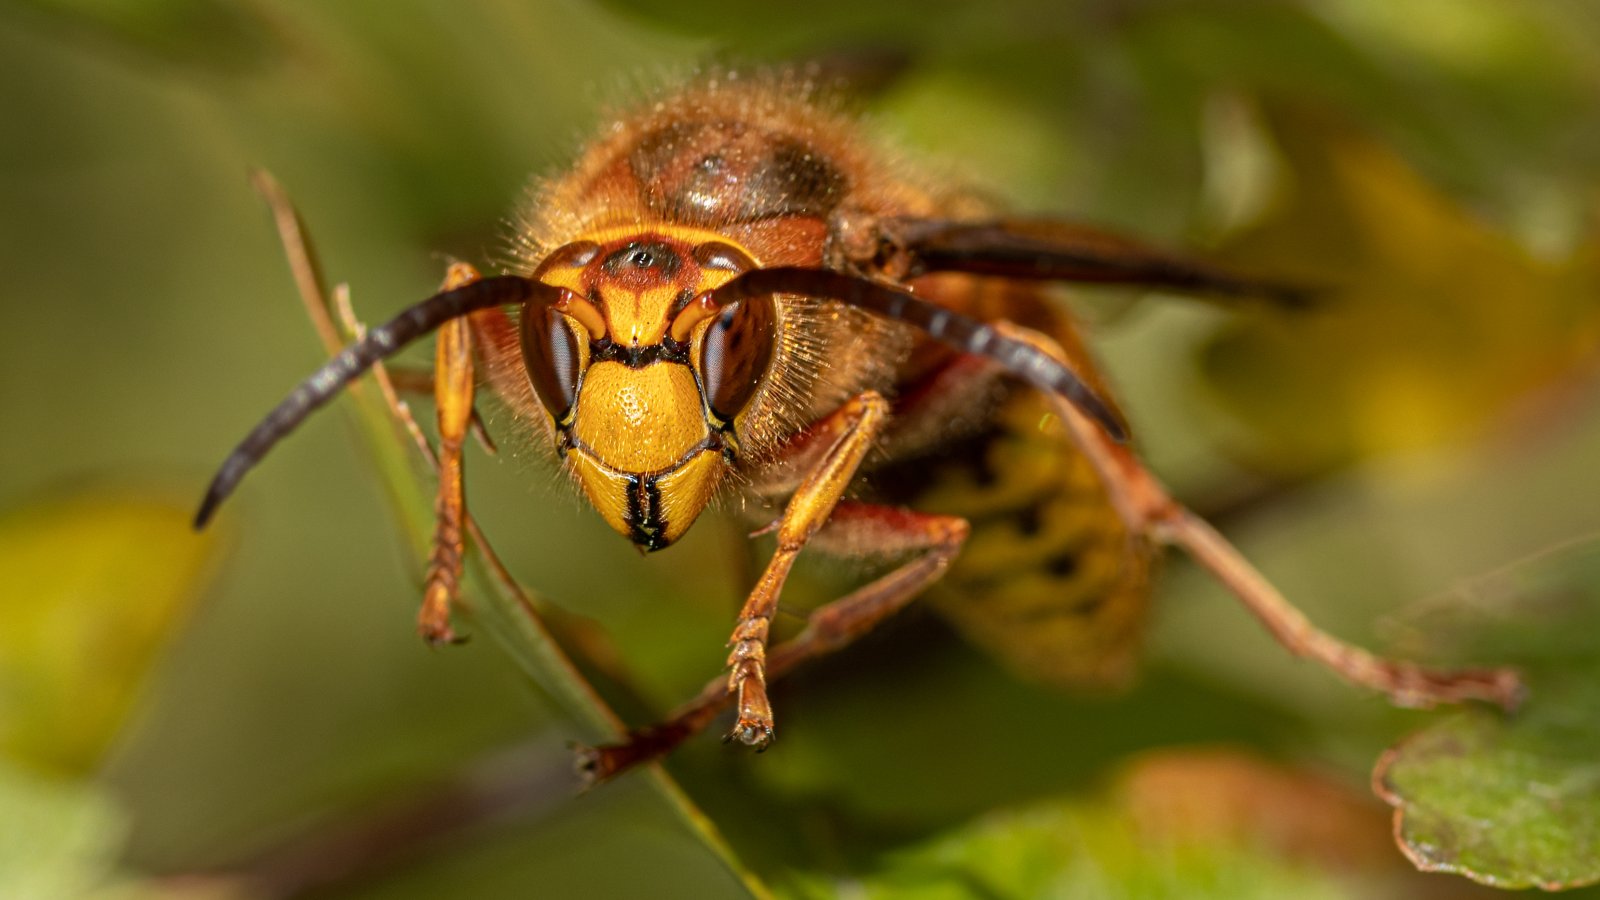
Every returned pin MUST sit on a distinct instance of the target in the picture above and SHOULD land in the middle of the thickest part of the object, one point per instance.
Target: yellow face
(642, 390)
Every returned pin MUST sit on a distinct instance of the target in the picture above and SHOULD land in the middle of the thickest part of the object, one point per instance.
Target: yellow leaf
(1435, 323)
(94, 585)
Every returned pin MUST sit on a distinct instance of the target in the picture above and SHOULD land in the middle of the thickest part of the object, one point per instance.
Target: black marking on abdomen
(1063, 565)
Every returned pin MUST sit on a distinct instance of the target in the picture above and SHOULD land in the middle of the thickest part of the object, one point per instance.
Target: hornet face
(642, 382)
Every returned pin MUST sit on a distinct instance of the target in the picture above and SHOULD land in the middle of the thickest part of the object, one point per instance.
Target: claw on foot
(599, 764)
(751, 733)
(594, 765)
(436, 636)
(604, 762)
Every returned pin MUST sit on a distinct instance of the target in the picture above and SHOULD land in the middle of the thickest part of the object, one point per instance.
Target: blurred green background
(249, 713)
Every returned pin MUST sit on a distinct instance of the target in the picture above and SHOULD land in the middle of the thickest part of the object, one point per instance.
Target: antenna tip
(208, 507)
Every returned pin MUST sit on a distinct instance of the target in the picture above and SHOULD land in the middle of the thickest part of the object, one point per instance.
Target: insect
(731, 293)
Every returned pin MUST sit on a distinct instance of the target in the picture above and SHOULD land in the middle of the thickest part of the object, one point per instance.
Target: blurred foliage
(1430, 324)
(98, 584)
(58, 838)
(206, 32)
(1437, 159)
(100, 581)
(1195, 823)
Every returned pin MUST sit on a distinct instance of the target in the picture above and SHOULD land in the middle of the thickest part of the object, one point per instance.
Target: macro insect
(732, 293)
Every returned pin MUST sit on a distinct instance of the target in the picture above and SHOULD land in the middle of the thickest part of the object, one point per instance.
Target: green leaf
(1183, 823)
(1514, 802)
(1079, 851)
(58, 838)
(1511, 805)
(96, 585)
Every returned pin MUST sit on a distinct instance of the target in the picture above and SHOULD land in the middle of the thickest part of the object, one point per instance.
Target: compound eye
(554, 356)
(735, 353)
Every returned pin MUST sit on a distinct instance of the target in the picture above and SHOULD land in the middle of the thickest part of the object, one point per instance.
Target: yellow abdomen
(1049, 581)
